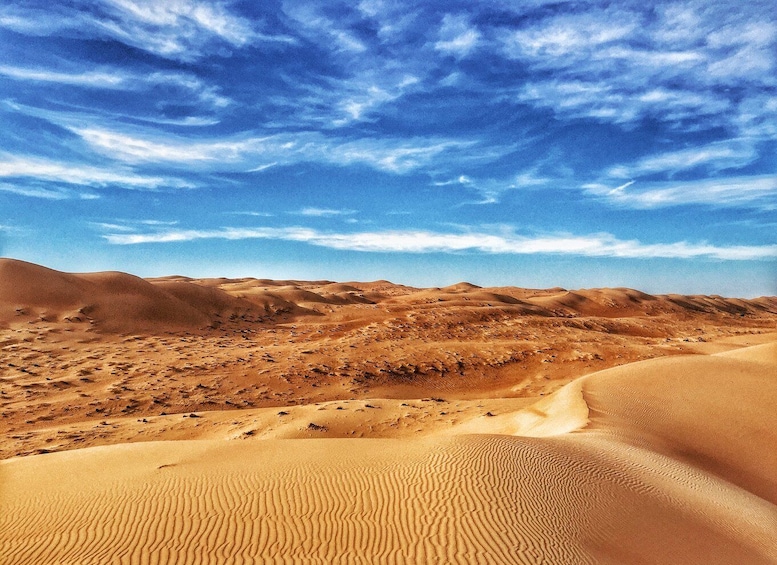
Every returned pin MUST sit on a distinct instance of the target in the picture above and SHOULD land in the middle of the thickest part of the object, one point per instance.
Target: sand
(252, 421)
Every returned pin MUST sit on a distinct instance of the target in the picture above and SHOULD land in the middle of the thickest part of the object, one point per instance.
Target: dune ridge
(119, 302)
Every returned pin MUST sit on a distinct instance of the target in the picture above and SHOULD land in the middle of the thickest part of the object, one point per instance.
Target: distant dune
(178, 420)
(115, 301)
(111, 301)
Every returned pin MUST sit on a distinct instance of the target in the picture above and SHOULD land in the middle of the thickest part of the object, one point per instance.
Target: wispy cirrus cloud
(46, 192)
(324, 212)
(491, 190)
(457, 36)
(123, 225)
(712, 158)
(93, 79)
(745, 191)
(178, 89)
(422, 241)
(316, 25)
(39, 169)
(155, 148)
(176, 29)
(361, 92)
(397, 156)
(251, 213)
(622, 64)
(662, 180)
(607, 102)
(578, 36)
(391, 155)
(362, 95)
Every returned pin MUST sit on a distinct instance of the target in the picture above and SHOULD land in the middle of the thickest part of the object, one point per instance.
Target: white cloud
(491, 189)
(261, 168)
(46, 193)
(679, 25)
(322, 29)
(38, 22)
(610, 101)
(93, 79)
(130, 226)
(746, 53)
(136, 149)
(420, 241)
(569, 36)
(757, 116)
(69, 173)
(169, 87)
(181, 28)
(186, 84)
(620, 65)
(746, 191)
(713, 157)
(363, 95)
(392, 155)
(113, 227)
(252, 214)
(579, 98)
(392, 19)
(186, 15)
(369, 76)
(457, 36)
(399, 158)
(176, 29)
(324, 212)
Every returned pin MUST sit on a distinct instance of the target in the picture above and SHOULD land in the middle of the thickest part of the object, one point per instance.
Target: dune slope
(111, 301)
(669, 461)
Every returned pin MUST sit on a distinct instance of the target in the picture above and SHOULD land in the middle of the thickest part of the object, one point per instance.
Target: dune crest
(114, 302)
(119, 302)
(562, 412)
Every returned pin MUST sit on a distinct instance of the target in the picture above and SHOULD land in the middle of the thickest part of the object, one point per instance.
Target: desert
(388, 281)
(182, 420)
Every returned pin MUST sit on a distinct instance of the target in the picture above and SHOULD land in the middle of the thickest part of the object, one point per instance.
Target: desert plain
(179, 420)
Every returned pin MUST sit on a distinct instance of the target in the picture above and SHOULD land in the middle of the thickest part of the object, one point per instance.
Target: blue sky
(529, 143)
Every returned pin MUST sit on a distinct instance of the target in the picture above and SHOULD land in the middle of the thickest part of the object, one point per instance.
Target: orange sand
(368, 422)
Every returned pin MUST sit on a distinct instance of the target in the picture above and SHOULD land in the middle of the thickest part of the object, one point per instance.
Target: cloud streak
(176, 29)
(45, 193)
(94, 79)
(712, 158)
(391, 155)
(324, 212)
(16, 167)
(597, 245)
(752, 191)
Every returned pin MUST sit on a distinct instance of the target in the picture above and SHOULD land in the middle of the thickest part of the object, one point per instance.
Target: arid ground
(181, 420)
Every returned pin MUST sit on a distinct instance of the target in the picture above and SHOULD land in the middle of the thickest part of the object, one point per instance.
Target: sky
(530, 143)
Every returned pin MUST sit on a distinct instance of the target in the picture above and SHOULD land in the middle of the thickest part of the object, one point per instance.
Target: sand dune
(110, 301)
(179, 420)
(713, 412)
(652, 475)
(125, 303)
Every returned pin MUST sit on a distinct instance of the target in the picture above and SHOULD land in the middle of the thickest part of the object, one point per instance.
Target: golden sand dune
(111, 301)
(125, 303)
(179, 420)
(673, 464)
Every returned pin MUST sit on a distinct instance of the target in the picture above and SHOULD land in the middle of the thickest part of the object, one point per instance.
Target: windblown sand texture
(253, 421)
